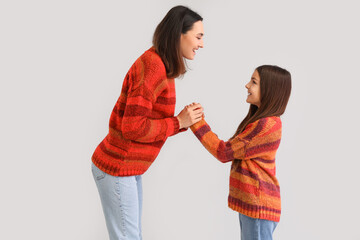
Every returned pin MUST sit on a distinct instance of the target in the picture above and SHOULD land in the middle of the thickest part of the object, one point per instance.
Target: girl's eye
(198, 38)
(254, 82)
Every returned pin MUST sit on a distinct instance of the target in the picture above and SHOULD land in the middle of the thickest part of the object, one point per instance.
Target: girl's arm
(258, 139)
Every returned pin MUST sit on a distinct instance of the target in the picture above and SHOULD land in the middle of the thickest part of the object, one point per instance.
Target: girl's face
(253, 88)
(192, 40)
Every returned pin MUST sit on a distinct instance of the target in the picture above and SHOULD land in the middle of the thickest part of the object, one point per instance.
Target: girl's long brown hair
(166, 39)
(275, 89)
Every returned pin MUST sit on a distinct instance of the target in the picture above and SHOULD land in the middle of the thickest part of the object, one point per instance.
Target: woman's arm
(136, 123)
(145, 80)
(137, 126)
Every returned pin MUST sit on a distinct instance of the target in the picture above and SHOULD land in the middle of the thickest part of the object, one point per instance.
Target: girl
(254, 189)
(142, 120)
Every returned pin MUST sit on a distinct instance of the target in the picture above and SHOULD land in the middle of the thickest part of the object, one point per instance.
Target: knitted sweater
(254, 189)
(141, 121)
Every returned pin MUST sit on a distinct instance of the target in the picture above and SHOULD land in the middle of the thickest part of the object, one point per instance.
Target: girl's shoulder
(274, 119)
(263, 127)
(267, 120)
(264, 123)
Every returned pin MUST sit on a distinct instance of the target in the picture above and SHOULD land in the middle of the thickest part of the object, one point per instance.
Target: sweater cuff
(173, 126)
(198, 125)
(183, 130)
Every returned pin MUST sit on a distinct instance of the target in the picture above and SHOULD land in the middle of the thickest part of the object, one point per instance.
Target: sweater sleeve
(241, 147)
(144, 82)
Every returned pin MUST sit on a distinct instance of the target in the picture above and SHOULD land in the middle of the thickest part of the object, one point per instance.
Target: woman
(143, 118)
(254, 188)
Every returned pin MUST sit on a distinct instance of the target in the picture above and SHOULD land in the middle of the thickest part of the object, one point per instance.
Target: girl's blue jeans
(121, 200)
(256, 229)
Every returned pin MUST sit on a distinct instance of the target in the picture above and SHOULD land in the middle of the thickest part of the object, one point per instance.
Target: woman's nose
(201, 45)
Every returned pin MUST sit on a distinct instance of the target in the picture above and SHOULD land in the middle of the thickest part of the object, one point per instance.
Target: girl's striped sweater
(141, 121)
(254, 189)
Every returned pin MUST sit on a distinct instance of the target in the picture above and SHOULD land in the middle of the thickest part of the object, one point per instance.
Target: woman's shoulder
(151, 58)
(150, 63)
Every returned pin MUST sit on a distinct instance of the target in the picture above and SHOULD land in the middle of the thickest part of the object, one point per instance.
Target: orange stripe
(244, 187)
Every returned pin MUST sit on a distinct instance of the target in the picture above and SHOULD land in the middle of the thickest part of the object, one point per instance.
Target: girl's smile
(253, 88)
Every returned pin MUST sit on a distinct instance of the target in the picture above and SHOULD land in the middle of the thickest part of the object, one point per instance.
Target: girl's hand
(190, 115)
(192, 104)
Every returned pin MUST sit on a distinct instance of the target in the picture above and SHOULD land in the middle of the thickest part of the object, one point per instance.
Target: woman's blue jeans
(121, 200)
(256, 229)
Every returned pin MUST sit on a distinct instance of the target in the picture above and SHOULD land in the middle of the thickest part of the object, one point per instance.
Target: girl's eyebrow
(201, 34)
(254, 79)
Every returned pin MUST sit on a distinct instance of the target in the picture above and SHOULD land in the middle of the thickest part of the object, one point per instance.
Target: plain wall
(62, 64)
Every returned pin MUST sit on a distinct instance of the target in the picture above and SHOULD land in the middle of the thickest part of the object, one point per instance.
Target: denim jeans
(121, 200)
(256, 229)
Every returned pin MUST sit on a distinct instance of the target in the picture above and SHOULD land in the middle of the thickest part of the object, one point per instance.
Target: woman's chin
(190, 58)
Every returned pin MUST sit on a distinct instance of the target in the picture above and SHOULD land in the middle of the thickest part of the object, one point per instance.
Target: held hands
(190, 115)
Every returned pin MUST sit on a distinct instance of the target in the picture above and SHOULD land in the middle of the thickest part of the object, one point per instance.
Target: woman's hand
(190, 115)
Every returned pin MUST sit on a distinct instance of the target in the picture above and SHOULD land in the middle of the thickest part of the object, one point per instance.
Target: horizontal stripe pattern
(264, 160)
(254, 189)
(141, 121)
(261, 148)
(202, 131)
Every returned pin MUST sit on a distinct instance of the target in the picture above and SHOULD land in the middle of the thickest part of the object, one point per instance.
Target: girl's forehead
(256, 75)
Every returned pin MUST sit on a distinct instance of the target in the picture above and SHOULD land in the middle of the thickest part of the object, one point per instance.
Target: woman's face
(253, 88)
(192, 40)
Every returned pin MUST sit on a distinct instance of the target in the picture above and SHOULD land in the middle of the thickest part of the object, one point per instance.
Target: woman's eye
(254, 82)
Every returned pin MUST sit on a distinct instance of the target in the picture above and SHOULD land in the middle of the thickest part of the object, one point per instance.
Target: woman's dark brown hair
(275, 89)
(167, 35)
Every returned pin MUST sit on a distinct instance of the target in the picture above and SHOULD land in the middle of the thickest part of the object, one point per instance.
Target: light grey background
(62, 64)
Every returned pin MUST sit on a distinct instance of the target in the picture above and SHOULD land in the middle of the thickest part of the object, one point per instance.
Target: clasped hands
(190, 115)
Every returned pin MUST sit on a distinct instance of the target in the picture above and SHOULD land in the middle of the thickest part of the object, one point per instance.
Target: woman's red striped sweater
(141, 121)
(254, 189)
